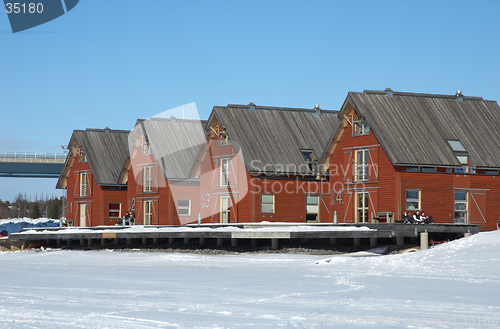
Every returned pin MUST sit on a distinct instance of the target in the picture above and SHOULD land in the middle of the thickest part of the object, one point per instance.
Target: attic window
(310, 158)
(83, 157)
(360, 126)
(146, 148)
(224, 138)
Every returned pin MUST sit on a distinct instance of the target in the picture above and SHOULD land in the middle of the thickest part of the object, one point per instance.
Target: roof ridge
(410, 94)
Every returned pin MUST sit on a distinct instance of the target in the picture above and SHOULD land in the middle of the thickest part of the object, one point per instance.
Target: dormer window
(360, 126)
(310, 158)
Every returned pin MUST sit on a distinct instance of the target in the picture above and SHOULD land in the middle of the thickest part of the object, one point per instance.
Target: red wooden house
(90, 175)
(397, 152)
(162, 153)
(259, 165)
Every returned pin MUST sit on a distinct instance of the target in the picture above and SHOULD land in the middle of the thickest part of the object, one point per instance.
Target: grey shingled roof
(175, 143)
(106, 151)
(274, 136)
(414, 128)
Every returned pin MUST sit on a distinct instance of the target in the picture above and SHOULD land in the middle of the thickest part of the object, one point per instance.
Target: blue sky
(107, 63)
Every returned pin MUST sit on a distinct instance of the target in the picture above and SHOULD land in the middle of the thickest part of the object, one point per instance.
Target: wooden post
(373, 242)
(275, 244)
(253, 243)
(234, 243)
(82, 241)
(220, 242)
(155, 241)
(171, 240)
(357, 242)
(186, 241)
(103, 241)
(89, 241)
(202, 241)
(424, 240)
(117, 241)
(59, 241)
(144, 241)
(468, 234)
(333, 241)
(129, 241)
(400, 241)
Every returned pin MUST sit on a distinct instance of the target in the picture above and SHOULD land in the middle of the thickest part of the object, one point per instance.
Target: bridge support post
(424, 240)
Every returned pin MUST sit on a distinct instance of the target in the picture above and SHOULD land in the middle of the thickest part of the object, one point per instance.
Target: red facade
(364, 187)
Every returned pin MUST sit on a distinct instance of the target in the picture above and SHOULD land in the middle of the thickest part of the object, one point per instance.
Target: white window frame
(83, 183)
(225, 172)
(147, 179)
(312, 208)
(181, 210)
(462, 202)
(360, 127)
(224, 141)
(146, 148)
(361, 166)
(413, 200)
(262, 203)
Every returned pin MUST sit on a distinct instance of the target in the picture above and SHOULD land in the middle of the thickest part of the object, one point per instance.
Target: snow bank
(17, 224)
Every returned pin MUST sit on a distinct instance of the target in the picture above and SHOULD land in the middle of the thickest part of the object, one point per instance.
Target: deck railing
(32, 157)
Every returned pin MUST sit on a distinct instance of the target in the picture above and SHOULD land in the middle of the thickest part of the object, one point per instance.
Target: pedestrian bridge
(34, 165)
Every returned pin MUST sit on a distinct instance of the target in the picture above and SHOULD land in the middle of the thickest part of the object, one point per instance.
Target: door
(225, 209)
(83, 215)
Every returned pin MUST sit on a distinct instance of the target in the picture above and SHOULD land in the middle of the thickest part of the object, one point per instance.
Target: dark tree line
(22, 207)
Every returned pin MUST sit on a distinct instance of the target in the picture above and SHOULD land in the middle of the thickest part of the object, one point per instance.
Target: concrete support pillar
(424, 240)
(275, 243)
(220, 242)
(333, 241)
(129, 241)
(202, 241)
(144, 241)
(400, 241)
(234, 242)
(357, 242)
(468, 234)
(253, 243)
(59, 241)
(82, 241)
(89, 241)
(186, 241)
(373, 242)
(155, 241)
(171, 240)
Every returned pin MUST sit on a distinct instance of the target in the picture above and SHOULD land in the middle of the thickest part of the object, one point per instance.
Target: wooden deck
(235, 232)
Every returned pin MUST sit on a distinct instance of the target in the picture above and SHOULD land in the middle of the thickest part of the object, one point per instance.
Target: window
(362, 207)
(460, 207)
(412, 169)
(83, 183)
(360, 126)
(148, 212)
(146, 148)
(428, 169)
(312, 209)
(147, 184)
(225, 209)
(310, 158)
(114, 210)
(224, 138)
(184, 207)
(456, 146)
(267, 203)
(83, 157)
(361, 167)
(225, 170)
(412, 200)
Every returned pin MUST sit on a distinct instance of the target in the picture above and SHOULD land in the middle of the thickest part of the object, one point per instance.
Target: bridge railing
(31, 155)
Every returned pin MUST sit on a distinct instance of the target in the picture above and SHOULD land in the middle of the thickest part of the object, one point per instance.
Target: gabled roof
(271, 138)
(174, 142)
(413, 129)
(106, 151)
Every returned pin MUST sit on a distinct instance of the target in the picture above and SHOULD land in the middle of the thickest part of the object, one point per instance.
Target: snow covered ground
(454, 285)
